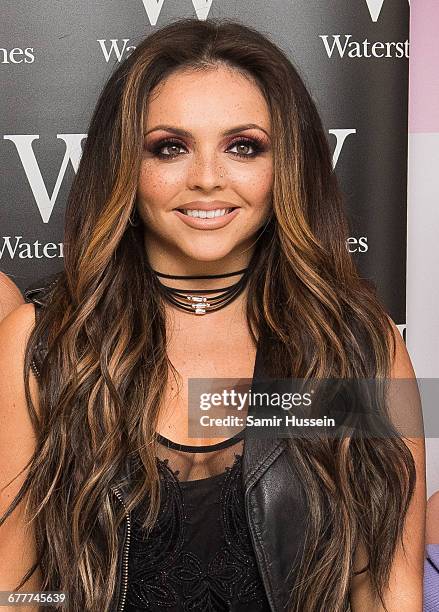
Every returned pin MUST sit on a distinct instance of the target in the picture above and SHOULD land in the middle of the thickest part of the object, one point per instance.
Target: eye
(246, 147)
(172, 146)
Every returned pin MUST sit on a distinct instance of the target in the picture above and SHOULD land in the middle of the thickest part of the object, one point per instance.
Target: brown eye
(167, 149)
(245, 148)
(172, 150)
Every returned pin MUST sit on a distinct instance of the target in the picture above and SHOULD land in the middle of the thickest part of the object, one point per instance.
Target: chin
(207, 257)
(207, 253)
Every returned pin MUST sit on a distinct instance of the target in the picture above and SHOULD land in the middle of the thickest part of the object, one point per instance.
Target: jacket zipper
(121, 603)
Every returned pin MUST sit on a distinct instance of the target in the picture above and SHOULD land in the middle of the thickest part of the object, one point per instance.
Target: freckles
(256, 182)
(265, 179)
(153, 181)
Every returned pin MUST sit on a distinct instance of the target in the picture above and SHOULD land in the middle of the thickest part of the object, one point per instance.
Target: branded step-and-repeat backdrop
(56, 56)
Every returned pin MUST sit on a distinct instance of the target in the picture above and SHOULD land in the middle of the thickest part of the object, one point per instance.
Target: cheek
(157, 184)
(256, 185)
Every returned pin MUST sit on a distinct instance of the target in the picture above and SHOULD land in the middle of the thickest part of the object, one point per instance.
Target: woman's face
(206, 146)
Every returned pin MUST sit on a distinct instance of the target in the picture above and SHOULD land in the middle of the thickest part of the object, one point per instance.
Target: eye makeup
(257, 145)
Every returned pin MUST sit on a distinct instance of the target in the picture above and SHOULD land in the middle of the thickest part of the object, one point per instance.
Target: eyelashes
(256, 145)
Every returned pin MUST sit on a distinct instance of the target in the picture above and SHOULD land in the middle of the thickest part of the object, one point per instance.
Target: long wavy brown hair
(101, 384)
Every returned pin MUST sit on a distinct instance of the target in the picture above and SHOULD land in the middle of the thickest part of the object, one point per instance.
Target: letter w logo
(23, 144)
(153, 9)
(375, 7)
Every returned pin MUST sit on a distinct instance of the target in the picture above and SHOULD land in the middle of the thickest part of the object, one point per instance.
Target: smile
(206, 214)
(207, 219)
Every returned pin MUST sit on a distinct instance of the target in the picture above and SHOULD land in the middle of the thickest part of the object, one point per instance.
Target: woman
(204, 116)
(10, 296)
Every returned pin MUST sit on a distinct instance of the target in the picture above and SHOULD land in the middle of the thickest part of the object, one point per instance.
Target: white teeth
(207, 214)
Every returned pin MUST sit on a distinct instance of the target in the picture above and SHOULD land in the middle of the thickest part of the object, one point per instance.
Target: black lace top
(199, 555)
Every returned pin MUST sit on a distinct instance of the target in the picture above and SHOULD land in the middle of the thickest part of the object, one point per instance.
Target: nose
(205, 172)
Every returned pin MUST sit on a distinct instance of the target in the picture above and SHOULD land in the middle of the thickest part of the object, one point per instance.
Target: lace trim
(163, 574)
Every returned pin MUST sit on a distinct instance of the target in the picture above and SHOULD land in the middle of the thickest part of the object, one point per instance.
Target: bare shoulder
(16, 433)
(10, 295)
(17, 446)
(402, 366)
(8, 285)
(15, 330)
(404, 399)
(22, 317)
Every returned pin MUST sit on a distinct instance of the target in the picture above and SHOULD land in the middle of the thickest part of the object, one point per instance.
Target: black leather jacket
(274, 503)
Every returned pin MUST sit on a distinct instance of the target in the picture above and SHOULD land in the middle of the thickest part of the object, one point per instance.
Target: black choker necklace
(194, 300)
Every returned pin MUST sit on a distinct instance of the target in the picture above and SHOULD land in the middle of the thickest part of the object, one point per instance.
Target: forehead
(207, 98)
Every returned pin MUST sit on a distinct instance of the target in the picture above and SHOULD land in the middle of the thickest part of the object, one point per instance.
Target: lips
(206, 223)
(206, 214)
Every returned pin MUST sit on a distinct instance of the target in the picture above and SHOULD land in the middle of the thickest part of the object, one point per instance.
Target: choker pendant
(198, 303)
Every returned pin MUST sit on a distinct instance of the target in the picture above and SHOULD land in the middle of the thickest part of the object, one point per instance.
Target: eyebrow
(181, 132)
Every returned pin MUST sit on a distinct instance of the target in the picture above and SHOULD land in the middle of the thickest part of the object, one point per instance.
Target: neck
(167, 262)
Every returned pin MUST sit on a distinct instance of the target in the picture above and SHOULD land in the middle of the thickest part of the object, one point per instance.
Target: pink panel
(424, 66)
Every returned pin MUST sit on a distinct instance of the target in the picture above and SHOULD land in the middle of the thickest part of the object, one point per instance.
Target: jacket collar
(259, 453)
